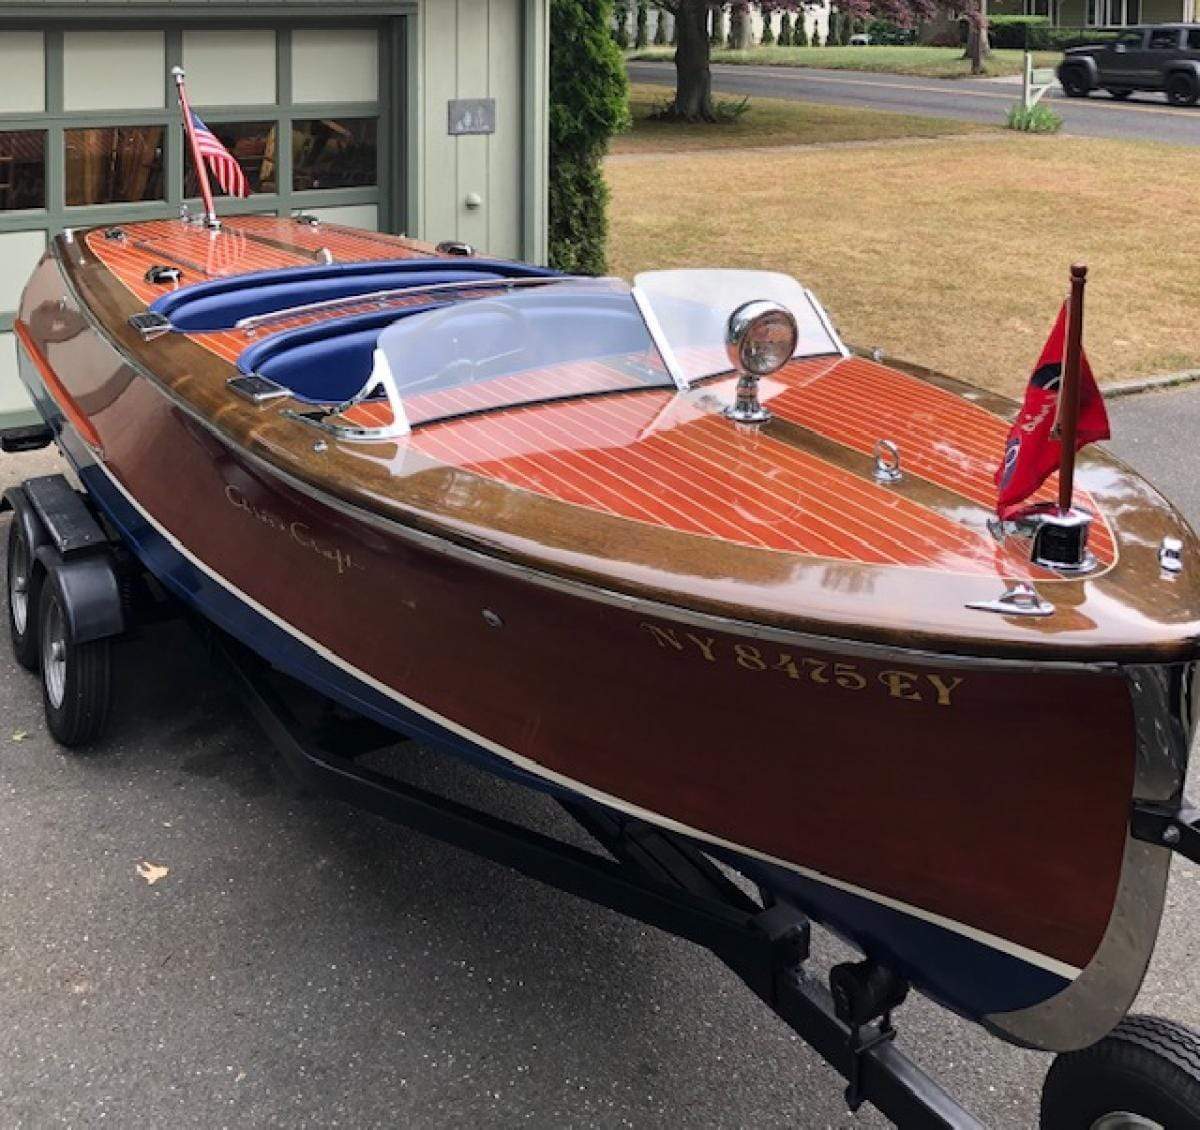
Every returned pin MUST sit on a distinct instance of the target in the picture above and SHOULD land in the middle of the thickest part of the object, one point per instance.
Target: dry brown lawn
(949, 253)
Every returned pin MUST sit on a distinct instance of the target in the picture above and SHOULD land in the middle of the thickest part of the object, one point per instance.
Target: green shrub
(785, 30)
(660, 30)
(768, 36)
(800, 33)
(717, 36)
(589, 102)
(730, 110)
(1036, 119)
(642, 36)
(1014, 31)
(816, 36)
(1037, 33)
(887, 34)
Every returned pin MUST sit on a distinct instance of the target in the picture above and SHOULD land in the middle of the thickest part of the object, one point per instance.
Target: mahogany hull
(915, 802)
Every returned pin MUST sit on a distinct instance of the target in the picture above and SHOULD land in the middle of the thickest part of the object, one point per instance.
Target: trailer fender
(90, 592)
(36, 534)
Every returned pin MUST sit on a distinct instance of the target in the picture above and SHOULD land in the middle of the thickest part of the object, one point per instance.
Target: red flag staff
(1067, 424)
(210, 211)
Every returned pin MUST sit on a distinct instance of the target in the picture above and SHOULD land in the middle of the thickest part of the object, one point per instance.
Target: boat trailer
(653, 876)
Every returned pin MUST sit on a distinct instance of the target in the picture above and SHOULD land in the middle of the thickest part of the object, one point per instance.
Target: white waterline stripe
(1013, 949)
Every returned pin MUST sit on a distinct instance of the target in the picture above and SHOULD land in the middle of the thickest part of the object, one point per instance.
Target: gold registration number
(909, 686)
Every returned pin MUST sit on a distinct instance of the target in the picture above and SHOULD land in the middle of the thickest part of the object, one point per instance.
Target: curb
(1152, 384)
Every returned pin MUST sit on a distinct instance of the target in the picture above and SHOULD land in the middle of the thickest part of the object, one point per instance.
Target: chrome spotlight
(760, 339)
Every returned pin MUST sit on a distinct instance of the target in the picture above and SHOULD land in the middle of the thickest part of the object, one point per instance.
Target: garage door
(90, 133)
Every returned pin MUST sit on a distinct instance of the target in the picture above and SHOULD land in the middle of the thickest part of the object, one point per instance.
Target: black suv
(1165, 57)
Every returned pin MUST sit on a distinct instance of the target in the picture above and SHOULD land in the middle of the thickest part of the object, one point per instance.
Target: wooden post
(1068, 398)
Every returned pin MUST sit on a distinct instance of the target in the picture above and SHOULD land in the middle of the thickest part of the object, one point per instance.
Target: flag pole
(1067, 425)
(210, 211)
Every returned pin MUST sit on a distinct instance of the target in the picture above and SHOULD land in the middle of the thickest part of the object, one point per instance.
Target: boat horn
(760, 339)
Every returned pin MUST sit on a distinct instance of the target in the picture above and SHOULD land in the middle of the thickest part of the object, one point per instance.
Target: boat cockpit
(422, 340)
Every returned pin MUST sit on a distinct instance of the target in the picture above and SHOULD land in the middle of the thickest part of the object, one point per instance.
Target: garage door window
(114, 164)
(22, 169)
(334, 153)
(254, 146)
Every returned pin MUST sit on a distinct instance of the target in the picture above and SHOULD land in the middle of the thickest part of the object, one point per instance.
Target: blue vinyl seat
(325, 363)
(220, 304)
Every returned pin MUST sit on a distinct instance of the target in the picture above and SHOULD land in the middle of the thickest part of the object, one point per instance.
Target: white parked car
(862, 39)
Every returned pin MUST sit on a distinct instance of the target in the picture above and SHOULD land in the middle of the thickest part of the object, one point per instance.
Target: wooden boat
(510, 513)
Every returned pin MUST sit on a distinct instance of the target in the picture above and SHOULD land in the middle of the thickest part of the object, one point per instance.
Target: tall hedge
(589, 102)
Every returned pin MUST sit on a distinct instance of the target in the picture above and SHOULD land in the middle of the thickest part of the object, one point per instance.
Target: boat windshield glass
(692, 310)
(549, 342)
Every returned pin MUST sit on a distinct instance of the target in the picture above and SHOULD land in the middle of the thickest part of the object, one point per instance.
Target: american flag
(227, 171)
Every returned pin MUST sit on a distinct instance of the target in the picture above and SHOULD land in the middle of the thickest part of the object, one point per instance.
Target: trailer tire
(21, 590)
(1146, 1072)
(76, 677)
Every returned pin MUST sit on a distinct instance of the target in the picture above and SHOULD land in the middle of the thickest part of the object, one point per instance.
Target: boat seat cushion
(325, 363)
(221, 303)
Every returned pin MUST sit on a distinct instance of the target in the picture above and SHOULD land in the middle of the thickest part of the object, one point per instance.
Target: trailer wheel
(1144, 1074)
(22, 590)
(76, 677)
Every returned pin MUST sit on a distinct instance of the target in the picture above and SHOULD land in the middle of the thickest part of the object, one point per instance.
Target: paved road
(1145, 117)
(304, 965)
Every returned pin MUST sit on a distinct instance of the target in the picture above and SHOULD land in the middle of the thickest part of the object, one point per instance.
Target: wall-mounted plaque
(472, 115)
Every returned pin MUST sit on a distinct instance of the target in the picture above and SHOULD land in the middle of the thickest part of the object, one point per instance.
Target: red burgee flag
(1032, 451)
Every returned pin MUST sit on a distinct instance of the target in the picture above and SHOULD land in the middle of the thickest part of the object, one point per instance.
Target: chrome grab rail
(254, 321)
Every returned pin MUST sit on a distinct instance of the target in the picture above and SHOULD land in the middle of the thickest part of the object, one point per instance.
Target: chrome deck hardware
(150, 325)
(887, 462)
(161, 275)
(1020, 600)
(1170, 555)
(455, 247)
(1060, 541)
(256, 389)
(760, 339)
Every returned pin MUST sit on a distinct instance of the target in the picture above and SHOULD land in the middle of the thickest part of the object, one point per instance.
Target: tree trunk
(978, 47)
(693, 78)
(739, 25)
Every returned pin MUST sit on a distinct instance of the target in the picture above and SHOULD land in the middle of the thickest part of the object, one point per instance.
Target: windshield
(692, 308)
(577, 337)
(563, 340)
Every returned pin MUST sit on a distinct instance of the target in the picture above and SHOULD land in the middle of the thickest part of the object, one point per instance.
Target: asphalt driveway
(1145, 117)
(300, 964)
